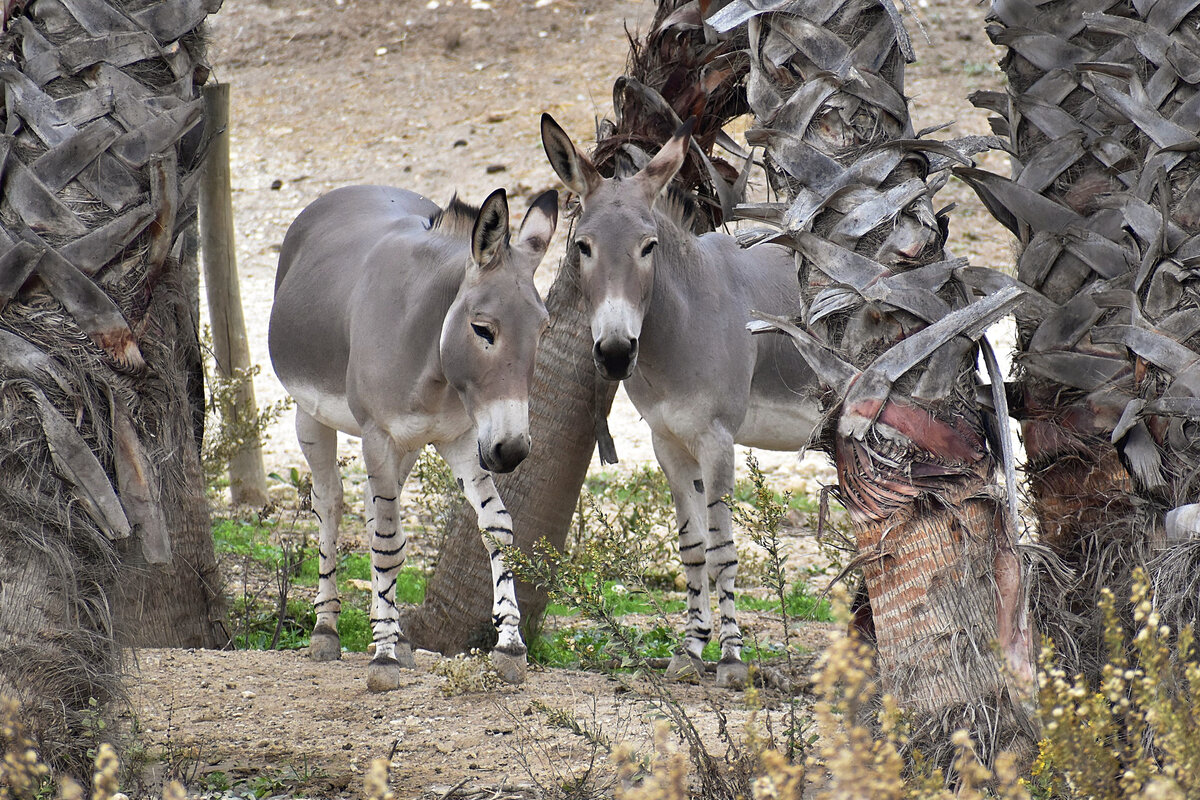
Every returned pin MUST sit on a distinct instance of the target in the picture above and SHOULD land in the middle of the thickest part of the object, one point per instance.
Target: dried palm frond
(97, 344)
(892, 326)
(1101, 118)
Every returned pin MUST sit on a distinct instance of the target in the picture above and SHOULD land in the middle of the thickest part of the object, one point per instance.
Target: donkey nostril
(506, 455)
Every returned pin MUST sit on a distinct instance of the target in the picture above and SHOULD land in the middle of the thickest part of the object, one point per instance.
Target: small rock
(498, 116)
(276, 185)
(360, 584)
(445, 748)
(492, 169)
(381, 51)
(249, 695)
(459, 143)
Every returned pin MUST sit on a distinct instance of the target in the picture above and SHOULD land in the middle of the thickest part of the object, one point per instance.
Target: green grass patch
(592, 648)
(254, 619)
(800, 604)
(621, 601)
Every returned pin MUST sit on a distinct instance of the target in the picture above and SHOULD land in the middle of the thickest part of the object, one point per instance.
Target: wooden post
(231, 348)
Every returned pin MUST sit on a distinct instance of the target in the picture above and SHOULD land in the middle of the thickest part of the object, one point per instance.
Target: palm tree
(674, 72)
(891, 329)
(104, 533)
(1102, 124)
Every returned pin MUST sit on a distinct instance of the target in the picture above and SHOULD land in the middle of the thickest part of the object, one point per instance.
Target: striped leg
(387, 470)
(495, 524)
(687, 490)
(319, 445)
(716, 462)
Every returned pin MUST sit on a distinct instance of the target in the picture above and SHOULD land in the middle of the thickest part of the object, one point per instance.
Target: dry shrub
(1136, 733)
(467, 673)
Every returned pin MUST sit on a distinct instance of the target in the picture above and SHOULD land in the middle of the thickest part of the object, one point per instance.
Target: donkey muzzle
(615, 357)
(504, 455)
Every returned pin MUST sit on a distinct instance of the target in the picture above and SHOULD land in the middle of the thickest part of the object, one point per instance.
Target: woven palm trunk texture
(891, 327)
(1101, 118)
(99, 358)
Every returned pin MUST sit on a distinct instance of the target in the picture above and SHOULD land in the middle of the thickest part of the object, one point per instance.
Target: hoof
(685, 668)
(324, 645)
(383, 675)
(732, 674)
(510, 664)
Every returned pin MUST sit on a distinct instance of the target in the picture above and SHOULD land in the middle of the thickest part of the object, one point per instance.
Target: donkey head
(490, 334)
(617, 235)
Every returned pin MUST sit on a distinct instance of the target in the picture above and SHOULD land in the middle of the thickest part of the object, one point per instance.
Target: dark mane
(456, 219)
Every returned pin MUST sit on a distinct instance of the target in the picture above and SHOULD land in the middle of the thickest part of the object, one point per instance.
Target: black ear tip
(547, 203)
(686, 128)
(499, 196)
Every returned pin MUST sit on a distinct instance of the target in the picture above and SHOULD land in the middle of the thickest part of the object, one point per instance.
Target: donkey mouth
(502, 457)
(615, 363)
(613, 370)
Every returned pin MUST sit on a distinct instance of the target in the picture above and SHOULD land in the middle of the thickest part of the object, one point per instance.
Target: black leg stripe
(379, 497)
(392, 552)
(692, 546)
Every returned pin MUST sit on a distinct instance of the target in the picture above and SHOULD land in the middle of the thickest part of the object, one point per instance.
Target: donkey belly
(331, 410)
(782, 410)
(773, 424)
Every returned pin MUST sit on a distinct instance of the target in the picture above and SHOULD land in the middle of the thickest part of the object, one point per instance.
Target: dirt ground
(440, 97)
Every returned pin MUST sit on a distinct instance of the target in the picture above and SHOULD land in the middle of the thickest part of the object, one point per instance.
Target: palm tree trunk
(674, 72)
(890, 329)
(103, 529)
(1101, 198)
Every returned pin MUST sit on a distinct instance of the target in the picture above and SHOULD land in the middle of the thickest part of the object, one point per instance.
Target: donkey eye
(484, 332)
(648, 247)
(585, 249)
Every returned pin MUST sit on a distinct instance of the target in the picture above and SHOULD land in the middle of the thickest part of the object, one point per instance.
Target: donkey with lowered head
(407, 325)
(668, 316)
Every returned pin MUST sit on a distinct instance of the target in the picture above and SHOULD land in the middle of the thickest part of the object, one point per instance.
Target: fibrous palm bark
(677, 70)
(1102, 116)
(103, 527)
(891, 330)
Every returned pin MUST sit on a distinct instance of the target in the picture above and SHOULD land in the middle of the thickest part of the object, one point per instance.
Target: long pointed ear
(538, 226)
(490, 231)
(655, 176)
(574, 168)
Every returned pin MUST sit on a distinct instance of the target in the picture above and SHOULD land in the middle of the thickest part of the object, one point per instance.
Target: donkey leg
(386, 471)
(495, 524)
(687, 490)
(319, 445)
(716, 459)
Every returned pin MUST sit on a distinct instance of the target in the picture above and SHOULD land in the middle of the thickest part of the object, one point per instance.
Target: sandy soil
(441, 97)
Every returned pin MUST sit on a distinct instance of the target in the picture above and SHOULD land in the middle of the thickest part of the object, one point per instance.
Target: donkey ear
(538, 226)
(655, 176)
(491, 229)
(573, 167)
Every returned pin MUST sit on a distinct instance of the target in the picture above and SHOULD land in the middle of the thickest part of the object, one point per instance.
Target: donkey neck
(678, 263)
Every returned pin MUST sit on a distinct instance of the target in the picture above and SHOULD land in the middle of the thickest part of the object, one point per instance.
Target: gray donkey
(407, 325)
(668, 316)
